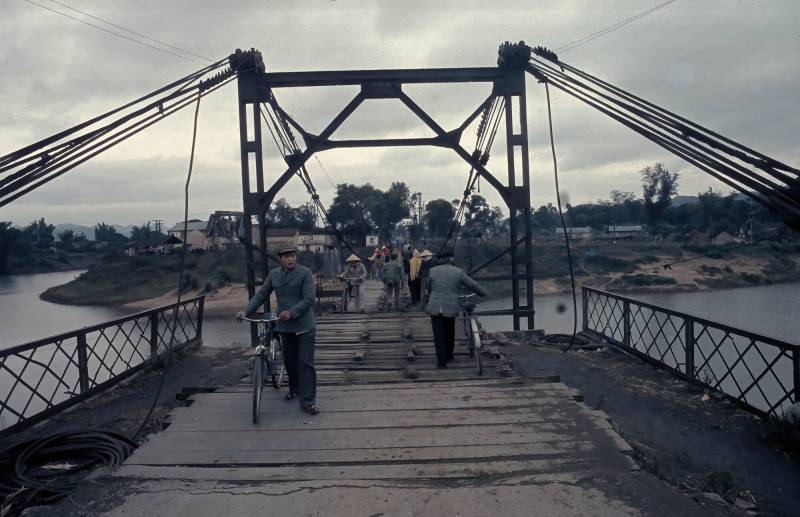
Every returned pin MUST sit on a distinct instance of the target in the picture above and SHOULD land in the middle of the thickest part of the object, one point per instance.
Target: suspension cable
(490, 120)
(31, 167)
(768, 181)
(184, 250)
(563, 222)
(286, 134)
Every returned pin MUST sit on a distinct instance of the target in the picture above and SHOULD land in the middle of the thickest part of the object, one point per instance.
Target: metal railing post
(626, 323)
(83, 363)
(585, 307)
(154, 336)
(200, 306)
(688, 324)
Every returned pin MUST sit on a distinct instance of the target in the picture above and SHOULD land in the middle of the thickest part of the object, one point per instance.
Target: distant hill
(88, 231)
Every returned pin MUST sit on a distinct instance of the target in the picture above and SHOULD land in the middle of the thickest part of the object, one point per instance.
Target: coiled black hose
(45, 470)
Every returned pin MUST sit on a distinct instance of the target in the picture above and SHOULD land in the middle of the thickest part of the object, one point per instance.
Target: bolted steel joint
(513, 55)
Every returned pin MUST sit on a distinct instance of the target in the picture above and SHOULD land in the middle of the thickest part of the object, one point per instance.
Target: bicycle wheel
(277, 369)
(345, 299)
(478, 363)
(470, 340)
(258, 383)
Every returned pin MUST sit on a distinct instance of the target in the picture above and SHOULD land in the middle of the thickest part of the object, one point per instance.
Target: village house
(630, 231)
(577, 232)
(277, 238)
(196, 230)
(316, 241)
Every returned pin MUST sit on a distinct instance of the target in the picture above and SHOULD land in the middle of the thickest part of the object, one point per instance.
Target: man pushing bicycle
(294, 289)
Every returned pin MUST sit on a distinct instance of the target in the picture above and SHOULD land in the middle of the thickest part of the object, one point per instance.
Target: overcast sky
(730, 65)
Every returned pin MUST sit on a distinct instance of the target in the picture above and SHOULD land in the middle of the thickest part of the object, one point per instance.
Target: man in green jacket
(393, 279)
(294, 289)
(444, 282)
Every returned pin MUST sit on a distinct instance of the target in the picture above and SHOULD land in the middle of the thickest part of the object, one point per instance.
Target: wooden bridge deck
(448, 442)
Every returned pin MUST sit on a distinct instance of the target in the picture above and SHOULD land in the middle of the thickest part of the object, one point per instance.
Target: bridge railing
(758, 373)
(42, 377)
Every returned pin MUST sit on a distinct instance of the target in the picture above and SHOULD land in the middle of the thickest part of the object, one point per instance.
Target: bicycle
(268, 363)
(471, 330)
(347, 295)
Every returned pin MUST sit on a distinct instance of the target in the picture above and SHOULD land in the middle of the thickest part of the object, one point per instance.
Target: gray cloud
(728, 65)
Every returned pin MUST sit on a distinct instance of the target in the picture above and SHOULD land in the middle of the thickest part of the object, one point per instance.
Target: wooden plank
(182, 420)
(273, 458)
(458, 469)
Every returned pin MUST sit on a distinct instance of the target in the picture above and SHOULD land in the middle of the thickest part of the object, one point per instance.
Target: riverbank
(137, 283)
(46, 262)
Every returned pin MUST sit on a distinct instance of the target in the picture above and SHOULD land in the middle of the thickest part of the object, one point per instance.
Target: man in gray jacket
(444, 282)
(295, 291)
(393, 279)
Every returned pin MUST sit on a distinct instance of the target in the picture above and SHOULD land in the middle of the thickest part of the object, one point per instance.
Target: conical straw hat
(425, 253)
(353, 258)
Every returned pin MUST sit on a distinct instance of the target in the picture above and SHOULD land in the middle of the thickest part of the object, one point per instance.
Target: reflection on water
(24, 317)
(770, 310)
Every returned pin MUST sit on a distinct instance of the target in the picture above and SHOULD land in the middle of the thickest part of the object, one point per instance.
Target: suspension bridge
(394, 438)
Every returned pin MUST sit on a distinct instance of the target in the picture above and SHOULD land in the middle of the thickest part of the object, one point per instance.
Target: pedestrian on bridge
(414, 266)
(294, 289)
(356, 273)
(393, 279)
(427, 263)
(444, 283)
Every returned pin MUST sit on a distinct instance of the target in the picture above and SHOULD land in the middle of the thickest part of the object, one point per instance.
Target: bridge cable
(490, 119)
(145, 36)
(612, 28)
(48, 159)
(109, 31)
(182, 82)
(704, 148)
(25, 484)
(22, 186)
(184, 250)
(302, 172)
(563, 222)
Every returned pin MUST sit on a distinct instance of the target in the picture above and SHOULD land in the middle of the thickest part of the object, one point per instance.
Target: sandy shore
(225, 301)
(689, 276)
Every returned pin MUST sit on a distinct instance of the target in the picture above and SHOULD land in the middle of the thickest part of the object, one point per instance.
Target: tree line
(713, 212)
(361, 210)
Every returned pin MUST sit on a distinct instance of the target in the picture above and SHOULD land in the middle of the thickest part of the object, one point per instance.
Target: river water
(25, 317)
(770, 310)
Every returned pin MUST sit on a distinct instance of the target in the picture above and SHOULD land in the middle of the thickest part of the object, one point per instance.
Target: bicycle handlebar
(273, 317)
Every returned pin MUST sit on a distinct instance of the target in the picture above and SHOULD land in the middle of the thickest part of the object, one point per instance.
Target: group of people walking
(434, 282)
(406, 267)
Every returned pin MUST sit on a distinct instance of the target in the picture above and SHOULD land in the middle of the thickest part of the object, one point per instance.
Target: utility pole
(157, 223)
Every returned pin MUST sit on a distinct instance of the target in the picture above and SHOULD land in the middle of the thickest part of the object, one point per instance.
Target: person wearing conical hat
(356, 274)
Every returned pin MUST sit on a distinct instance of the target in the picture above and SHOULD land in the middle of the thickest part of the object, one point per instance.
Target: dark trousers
(298, 356)
(444, 338)
(413, 287)
(394, 287)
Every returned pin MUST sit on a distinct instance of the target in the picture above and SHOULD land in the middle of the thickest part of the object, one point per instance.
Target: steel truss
(255, 87)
